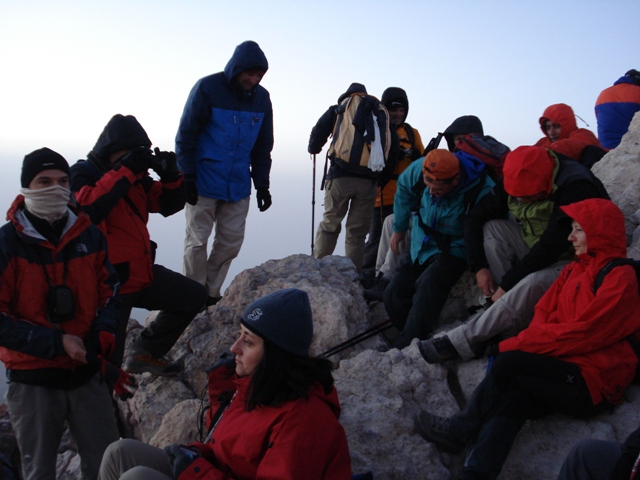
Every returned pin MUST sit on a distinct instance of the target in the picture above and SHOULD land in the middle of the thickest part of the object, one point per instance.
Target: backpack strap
(613, 264)
(411, 136)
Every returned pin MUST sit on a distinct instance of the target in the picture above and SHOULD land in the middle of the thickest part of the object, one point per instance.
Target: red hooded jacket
(572, 139)
(590, 330)
(298, 439)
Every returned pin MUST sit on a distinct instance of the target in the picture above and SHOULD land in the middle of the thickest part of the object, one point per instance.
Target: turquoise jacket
(445, 214)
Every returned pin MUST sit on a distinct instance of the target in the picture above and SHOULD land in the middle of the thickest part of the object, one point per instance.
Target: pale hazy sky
(66, 67)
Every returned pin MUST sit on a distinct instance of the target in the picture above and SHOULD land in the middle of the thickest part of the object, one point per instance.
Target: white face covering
(48, 203)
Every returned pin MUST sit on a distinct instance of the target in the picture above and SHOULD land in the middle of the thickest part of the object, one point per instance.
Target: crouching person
(574, 358)
(281, 417)
(57, 318)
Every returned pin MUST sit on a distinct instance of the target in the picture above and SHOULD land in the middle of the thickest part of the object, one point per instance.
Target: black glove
(180, 457)
(166, 166)
(264, 199)
(137, 160)
(102, 342)
(192, 191)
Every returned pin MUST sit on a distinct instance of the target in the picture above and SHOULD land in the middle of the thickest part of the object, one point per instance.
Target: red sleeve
(573, 146)
(612, 315)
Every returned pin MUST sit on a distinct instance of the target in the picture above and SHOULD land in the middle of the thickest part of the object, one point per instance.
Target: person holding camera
(114, 188)
(58, 309)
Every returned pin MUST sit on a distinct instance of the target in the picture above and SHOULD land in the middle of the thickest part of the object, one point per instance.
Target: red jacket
(590, 330)
(572, 139)
(301, 439)
(119, 202)
(29, 340)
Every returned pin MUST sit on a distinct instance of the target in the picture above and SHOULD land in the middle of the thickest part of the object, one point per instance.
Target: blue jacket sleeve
(196, 114)
(261, 152)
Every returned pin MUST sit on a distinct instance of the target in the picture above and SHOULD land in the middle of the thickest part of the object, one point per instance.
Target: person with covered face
(58, 311)
(574, 358)
(561, 133)
(114, 187)
(224, 142)
(280, 416)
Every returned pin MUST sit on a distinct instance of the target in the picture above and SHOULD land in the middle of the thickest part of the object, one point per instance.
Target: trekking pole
(362, 336)
(313, 201)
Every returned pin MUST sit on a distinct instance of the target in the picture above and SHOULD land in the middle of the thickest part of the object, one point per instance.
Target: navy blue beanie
(40, 160)
(283, 317)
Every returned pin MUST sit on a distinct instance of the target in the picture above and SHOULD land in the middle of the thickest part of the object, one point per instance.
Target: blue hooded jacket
(226, 133)
(444, 214)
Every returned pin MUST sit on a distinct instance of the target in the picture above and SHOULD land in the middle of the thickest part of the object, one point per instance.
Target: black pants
(518, 387)
(417, 293)
(179, 299)
(373, 239)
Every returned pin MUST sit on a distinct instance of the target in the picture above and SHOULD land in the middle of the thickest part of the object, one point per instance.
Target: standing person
(615, 108)
(282, 418)
(396, 102)
(349, 185)
(114, 188)
(57, 312)
(561, 133)
(574, 358)
(441, 188)
(223, 142)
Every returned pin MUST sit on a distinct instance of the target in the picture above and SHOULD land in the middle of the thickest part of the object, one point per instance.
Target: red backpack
(487, 149)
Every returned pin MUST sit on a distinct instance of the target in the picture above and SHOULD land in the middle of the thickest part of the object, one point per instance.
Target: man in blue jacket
(440, 189)
(223, 142)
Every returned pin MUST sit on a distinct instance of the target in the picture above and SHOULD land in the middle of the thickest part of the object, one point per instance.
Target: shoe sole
(444, 446)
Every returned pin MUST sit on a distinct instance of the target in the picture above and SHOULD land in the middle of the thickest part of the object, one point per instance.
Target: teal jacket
(445, 215)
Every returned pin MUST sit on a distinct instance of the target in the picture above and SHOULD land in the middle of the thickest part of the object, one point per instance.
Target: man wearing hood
(58, 309)
(562, 135)
(114, 188)
(441, 188)
(516, 262)
(615, 108)
(396, 102)
(224, 141)
(349, 190)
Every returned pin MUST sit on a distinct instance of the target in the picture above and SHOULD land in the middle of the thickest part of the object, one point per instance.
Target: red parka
(572, 139)
(589, 329)
(300, 439)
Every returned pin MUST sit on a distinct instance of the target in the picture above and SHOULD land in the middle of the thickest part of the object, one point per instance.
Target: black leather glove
(180, 457)
(192, 191)
(137, 160)
(166, 166)
(264, 199)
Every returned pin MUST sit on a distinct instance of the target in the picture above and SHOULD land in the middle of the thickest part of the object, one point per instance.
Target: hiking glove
(166, 166)
(180, 457)
(122, 383)
(137, 160)
(264, 199)
(101, 342)
(192, 191)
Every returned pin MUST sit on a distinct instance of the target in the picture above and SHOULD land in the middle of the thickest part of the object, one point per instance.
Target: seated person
(602, 460)
(574, 358)
(281, 422)
(561, 133)
(515, 263)
(441, 189)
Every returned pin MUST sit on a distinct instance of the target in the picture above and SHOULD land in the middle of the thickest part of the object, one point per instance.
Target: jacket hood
(562, 115)
(603, 224)
(247, 55)
(462, 126)
(528, 171)
(121, 133)
(395, 94)
(470, 167)
(353, 88)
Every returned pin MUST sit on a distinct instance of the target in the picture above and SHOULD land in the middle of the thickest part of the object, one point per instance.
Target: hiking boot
(437, 430)
(438, 350)
(141, 361)
(211, 301)
(376, 293)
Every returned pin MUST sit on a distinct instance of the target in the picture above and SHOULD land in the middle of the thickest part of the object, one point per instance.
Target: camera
(60, 304)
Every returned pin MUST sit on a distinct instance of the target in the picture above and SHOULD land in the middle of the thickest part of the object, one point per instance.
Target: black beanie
(39, 160)
(283, 317)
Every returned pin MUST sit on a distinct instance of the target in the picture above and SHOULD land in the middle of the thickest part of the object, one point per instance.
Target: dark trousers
(518, 387)
(373, 239)
(417, 293)
(179, 299)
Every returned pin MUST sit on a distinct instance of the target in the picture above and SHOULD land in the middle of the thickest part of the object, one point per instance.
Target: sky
(66, 67)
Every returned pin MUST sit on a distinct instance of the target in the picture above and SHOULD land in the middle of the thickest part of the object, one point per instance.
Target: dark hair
(282, 376)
